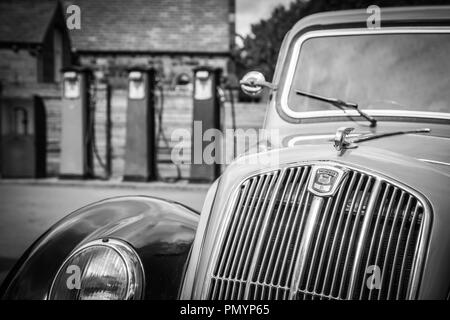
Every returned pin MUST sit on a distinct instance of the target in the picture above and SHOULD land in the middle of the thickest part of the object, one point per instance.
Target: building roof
(170, 26)
(25, 21)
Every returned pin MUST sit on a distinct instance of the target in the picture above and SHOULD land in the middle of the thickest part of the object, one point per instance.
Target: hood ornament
(341, 140)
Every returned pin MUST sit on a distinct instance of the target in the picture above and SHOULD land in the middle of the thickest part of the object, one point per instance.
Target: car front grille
(364, 242)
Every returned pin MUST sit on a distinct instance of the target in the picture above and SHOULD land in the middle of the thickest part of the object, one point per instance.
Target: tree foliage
(260, 50)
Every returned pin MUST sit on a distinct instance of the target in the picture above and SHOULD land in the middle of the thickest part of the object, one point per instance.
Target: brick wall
(168, 67)
(153, 26)
(17, 66)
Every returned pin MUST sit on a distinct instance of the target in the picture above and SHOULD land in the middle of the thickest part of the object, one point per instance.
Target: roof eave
(20, 45)
(151, 52)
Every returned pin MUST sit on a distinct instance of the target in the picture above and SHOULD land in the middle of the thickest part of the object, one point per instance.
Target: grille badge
(325, 180)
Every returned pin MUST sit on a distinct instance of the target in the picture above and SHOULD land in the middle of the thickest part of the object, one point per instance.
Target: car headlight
(105, 269)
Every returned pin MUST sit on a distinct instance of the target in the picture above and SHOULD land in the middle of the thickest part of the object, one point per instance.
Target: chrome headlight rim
(133, 265)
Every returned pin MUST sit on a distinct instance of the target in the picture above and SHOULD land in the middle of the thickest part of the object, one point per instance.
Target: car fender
(160, 231)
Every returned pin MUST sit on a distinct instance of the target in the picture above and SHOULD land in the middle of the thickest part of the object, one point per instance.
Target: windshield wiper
(371, 136)
(340, 105)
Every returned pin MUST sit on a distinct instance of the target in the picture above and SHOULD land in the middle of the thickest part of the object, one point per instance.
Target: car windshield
(377, 71)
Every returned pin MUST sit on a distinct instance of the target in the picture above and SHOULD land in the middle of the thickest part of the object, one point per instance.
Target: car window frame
(294, 58)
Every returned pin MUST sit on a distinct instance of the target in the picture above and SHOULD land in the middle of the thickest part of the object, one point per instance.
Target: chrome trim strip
(421, 249)
(408, 240)
(334, 244)
(283, 217)
(334, 214)
(287, 212)
(260, 238)
(375, 232)
(397, 247)
(243, 248)
(343, 246)
(239, 252)
(259, 220)
(200, 288)
(435, 162)
(268, 258)
(304, 215)
(361, 241)
(291, 143)
(383, 232)
(237, 230)
(315, 249)
(305, 243)
(190, 276)
(348, 32)
(301, 191)
(391, 239)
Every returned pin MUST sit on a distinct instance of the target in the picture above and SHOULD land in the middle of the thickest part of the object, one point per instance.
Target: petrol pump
(76, 126)
(206, 112)
(140, 148)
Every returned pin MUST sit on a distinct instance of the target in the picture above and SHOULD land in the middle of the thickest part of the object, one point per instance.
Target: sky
(251, 11)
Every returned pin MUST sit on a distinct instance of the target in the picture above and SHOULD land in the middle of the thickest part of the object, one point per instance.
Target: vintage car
(356, 206)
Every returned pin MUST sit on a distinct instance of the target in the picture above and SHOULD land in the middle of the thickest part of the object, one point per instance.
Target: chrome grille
(283, 242)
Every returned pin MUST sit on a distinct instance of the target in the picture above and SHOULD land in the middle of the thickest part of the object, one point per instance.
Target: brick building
(171, 35)
(34, 42)
(34, 46)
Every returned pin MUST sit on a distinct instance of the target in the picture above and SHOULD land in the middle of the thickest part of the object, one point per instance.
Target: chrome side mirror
(253, 83)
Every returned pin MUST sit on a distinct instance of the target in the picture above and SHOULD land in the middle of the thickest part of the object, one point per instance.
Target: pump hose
(233, 118)
(161, 134)
(91, 129)
(87, 137)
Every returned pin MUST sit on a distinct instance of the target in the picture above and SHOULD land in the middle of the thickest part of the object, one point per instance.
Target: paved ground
(28, 208)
